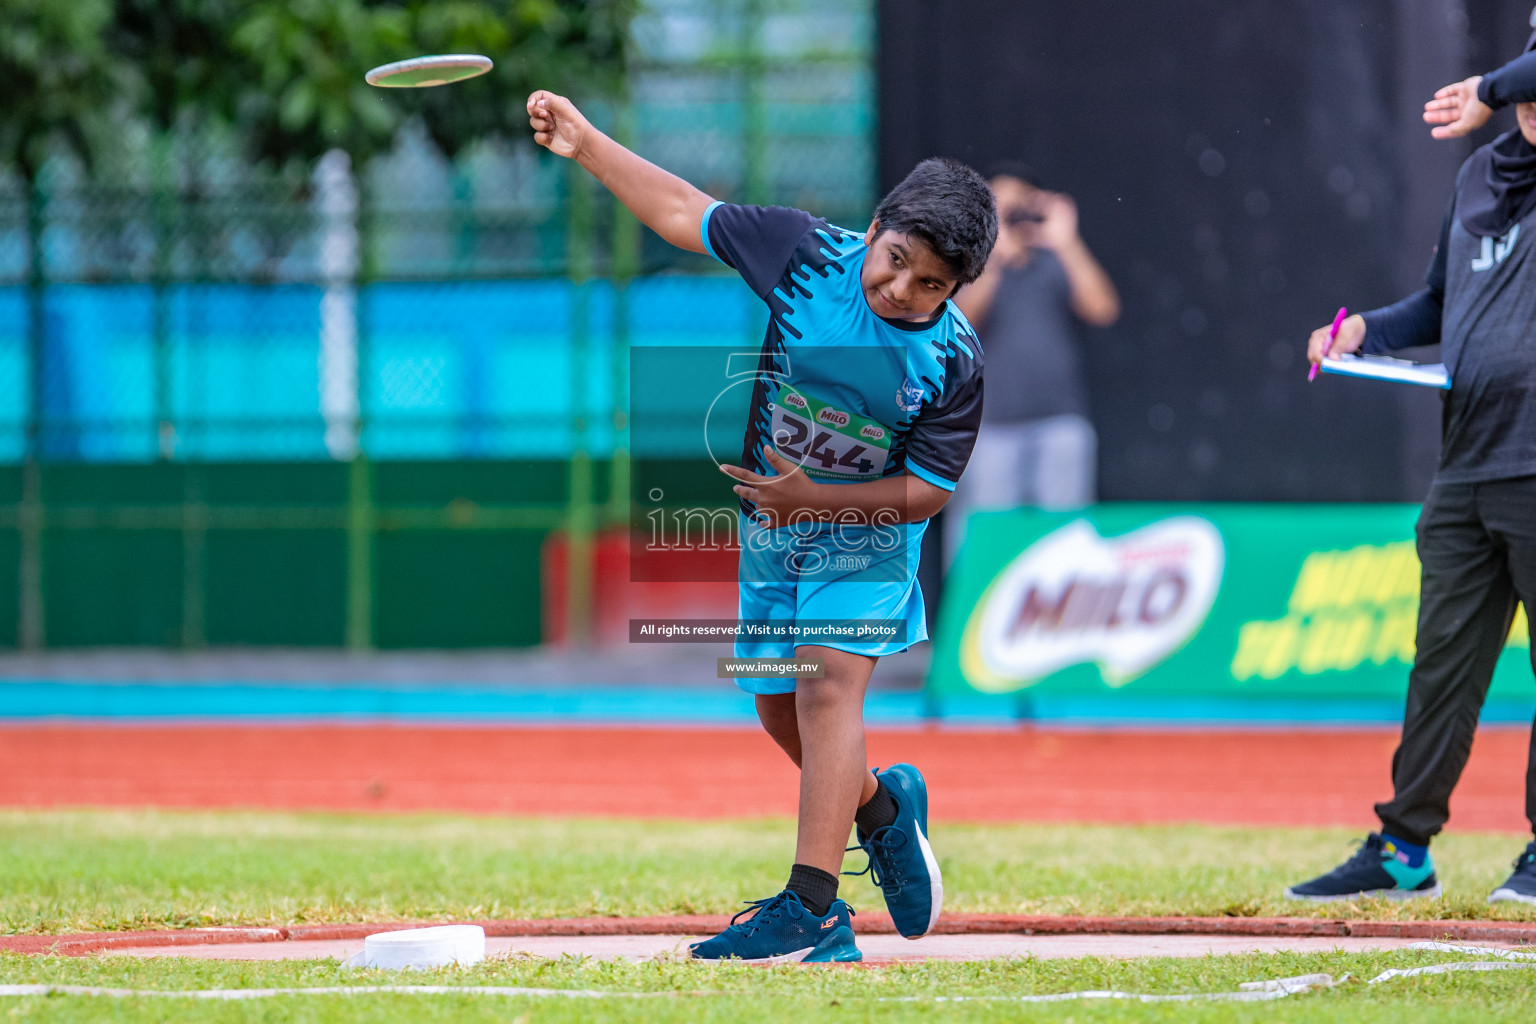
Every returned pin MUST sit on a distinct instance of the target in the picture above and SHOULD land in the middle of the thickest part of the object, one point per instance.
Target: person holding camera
(1036, 445)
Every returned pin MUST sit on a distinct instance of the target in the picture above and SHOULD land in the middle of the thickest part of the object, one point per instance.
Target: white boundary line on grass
(1451, 947)
(1463, 965)
(1259, 992)
(1502, 964)
(331, 990)
(1248, 991)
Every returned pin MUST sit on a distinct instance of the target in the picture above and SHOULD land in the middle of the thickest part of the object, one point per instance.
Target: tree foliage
(310, 55)
(180, 56)
(570, 46)
(287, 75)
(63, 86)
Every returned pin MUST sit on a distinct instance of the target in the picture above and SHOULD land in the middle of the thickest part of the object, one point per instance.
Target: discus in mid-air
(425, 72)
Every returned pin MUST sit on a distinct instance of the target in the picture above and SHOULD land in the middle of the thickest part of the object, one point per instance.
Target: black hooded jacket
(1479, 302)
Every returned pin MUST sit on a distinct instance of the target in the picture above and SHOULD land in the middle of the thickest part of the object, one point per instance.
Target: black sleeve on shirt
(1515, 82)
(944, 433)
(1415, 320)
(756, 241)
(1409, 323)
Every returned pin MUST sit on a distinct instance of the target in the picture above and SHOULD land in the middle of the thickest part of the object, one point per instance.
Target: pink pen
(1333, 332)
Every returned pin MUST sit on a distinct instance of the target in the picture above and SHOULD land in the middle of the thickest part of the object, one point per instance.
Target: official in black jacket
(1477, 530)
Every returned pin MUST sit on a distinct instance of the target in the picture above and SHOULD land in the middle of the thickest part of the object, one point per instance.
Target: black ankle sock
(815, 887)
(879, 812)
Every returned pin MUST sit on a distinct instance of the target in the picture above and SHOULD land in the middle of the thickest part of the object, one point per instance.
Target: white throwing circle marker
(422, 947)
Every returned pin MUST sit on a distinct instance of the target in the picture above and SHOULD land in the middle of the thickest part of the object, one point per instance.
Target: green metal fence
(244, 409)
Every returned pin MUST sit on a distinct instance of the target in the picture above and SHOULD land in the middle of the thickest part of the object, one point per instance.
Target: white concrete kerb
(438, 946)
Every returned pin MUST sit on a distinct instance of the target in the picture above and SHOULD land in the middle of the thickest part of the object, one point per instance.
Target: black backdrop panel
(1242, 169)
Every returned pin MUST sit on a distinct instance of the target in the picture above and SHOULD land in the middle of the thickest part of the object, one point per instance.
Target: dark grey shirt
(1033, 368)
(1484, 292)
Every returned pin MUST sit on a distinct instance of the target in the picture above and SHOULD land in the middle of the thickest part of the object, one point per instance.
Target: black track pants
(1477, 548)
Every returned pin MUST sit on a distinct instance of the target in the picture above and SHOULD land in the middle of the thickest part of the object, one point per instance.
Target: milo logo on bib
(828, 442)
(833, 417)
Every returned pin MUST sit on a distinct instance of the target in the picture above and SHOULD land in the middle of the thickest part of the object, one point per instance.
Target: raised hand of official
(557, 125)
(1457, 110)
(777, 497)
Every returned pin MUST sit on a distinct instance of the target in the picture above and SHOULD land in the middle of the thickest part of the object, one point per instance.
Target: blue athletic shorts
(850, 588)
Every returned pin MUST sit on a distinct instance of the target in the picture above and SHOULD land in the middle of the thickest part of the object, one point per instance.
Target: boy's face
(1525, 113)
(902, 278)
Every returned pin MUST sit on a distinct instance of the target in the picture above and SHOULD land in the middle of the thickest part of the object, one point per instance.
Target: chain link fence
(204, 311)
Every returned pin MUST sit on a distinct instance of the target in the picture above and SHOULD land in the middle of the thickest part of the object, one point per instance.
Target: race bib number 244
(828, 442)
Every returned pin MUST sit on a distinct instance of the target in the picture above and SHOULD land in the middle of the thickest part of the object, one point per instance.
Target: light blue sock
(1412, 851)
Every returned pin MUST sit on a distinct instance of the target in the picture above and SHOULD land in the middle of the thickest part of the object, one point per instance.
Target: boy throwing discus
(863, 414)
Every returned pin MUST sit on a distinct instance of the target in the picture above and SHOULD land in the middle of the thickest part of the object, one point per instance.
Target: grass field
(85, 870)
(696, 992)
(90, 870)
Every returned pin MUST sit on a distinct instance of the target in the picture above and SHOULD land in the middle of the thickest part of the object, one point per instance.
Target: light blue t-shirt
(849, 395)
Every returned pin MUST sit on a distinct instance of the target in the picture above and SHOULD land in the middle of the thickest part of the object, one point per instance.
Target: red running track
(1260, 777)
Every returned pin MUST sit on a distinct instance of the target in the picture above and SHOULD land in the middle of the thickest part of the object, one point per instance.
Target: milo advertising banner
(1261, 601)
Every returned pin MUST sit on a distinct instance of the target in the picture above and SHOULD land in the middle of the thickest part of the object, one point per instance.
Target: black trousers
(1477, 549)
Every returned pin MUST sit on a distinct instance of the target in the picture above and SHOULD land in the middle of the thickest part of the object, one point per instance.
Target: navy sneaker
(782, 931)
(901, 862)
(1520, 887)
(1378, 868)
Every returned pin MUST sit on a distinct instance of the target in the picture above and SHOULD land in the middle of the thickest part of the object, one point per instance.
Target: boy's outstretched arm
(662, 201)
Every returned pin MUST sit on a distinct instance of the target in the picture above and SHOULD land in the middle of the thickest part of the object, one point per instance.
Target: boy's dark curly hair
(948, 207)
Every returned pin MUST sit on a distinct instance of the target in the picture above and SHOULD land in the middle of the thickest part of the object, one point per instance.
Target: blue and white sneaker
(782, 931)
(1521, 886)
(1378, 868)
(901, 862)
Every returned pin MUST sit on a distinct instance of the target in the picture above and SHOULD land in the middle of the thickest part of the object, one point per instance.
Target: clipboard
(1401, 371)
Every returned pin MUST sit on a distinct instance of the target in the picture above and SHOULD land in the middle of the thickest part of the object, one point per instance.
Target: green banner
(1263, 601)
